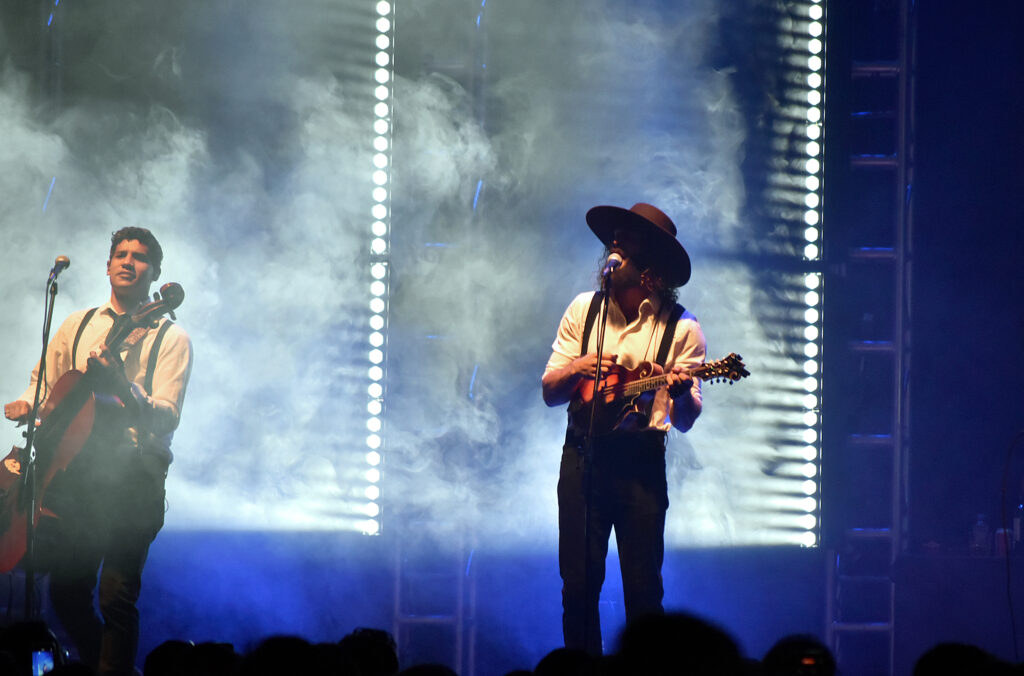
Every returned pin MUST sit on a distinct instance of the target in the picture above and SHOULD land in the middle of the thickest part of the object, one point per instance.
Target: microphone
(59, 265)
(614, 261)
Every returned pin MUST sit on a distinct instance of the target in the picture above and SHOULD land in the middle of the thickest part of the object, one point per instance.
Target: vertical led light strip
(380, 228)
(812, 280)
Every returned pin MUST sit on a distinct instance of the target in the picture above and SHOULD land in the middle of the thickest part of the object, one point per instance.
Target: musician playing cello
(622, 479)
(110, 501)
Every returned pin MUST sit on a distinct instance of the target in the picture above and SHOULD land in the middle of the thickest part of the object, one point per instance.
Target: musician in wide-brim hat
(613, 467)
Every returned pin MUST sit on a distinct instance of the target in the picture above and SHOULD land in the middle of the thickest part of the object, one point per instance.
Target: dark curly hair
(143, 236)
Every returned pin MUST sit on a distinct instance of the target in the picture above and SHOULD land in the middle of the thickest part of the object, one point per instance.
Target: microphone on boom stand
(59, 265)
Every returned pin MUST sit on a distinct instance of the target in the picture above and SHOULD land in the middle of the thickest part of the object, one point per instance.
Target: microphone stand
(588, 457)
(28, 490)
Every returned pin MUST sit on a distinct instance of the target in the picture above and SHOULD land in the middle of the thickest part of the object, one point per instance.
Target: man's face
(129, 269)
(625, 244)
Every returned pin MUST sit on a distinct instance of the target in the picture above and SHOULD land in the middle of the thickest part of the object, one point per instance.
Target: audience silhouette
(678, 643)
(372, 651)
(961, 659)
(672, 644)
(798, 655)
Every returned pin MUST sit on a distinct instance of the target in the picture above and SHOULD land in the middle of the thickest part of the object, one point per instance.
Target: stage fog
(242, 134)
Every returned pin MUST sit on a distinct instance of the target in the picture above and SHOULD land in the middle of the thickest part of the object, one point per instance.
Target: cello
(65, 424)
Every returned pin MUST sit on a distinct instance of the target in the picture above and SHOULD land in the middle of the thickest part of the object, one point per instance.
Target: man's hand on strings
(586, 365)
(108, 369)
(106, 363)
(679, 381)
(18, 411)
(561, 384)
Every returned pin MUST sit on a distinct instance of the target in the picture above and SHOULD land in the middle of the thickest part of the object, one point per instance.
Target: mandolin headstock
(730, 369)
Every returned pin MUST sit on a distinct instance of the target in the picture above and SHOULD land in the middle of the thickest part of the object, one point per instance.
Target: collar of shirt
(649, 307)
(108, 310)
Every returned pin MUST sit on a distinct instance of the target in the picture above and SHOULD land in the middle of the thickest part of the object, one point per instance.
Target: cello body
(67, 422)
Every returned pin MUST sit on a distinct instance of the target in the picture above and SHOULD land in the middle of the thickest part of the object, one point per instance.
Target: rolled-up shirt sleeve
(690, 348)
(58, 359)
(567, 345)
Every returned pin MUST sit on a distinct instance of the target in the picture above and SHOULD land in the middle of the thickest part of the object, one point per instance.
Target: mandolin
(625, 396)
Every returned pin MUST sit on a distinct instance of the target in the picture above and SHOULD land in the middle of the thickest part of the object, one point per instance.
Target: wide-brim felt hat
(656, 233)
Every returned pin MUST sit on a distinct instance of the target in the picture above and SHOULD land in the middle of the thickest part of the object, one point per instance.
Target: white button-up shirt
(634, 342)
(160, 410)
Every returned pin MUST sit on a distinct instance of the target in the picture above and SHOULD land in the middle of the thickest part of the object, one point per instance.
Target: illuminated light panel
(813, 166)
(380, 227)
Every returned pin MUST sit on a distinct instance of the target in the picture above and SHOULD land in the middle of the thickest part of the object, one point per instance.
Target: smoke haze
(240, 134)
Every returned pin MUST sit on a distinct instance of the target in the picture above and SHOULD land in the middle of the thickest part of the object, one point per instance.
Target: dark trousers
(627, 493)
(107, 518)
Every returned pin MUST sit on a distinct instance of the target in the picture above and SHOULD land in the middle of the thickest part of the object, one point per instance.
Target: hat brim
(663, 250)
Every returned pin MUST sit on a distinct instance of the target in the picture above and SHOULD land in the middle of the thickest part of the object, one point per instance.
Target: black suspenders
(78, 337)
(670, 329)
(666, 338)
(154, 351)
